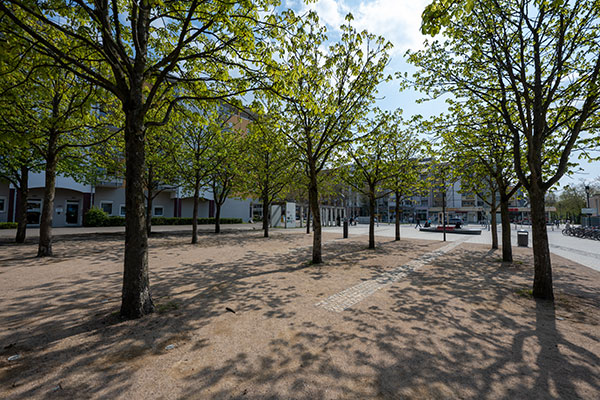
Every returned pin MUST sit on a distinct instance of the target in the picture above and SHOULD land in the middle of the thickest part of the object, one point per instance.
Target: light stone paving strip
(349, 297)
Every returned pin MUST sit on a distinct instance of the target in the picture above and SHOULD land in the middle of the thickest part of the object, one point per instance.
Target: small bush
(115, 220)
(188, 221)
(95, 217)
(8, 225)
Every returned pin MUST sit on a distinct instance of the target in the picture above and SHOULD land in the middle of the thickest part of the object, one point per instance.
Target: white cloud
(396, 20)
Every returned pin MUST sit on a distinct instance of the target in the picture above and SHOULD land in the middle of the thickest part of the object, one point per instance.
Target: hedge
(97, 217)
(188, 221)
(8, 225)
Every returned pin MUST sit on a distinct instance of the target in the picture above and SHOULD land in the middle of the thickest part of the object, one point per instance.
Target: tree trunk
(397, 211)
(313, 196)
(265, 212)
(371, 218)
(542, 282)
(149, 200)
(494, 222)
(23, 190)
(195, 211)
(45, 243)
(136, 299)
(218, 217)
(505, 220)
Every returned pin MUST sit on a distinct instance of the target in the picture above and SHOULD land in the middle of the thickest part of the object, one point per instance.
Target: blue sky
(399, 21)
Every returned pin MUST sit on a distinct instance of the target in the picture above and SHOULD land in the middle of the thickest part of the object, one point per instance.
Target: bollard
(345, 229)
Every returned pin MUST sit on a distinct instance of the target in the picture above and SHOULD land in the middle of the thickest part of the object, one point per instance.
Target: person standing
(418, 224)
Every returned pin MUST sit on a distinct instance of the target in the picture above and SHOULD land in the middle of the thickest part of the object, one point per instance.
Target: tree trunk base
(137, 308)
(44, 251)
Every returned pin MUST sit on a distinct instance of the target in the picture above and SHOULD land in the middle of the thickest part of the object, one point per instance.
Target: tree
(325, 94)
(269, 164)
(536, 64)
(54, 111)
(193, 133)
(225, 168)
(161, 172)
(139, 51)
(370, 163)
(17, 159)
(479, 144)
(406, 162)
(570, 202)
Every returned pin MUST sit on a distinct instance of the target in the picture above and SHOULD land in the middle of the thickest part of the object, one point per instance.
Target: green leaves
(531, 68)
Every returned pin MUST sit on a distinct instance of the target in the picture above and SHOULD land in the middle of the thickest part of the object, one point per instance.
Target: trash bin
(522, 238)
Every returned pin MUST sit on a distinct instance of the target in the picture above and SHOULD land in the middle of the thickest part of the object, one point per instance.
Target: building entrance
(72, 214)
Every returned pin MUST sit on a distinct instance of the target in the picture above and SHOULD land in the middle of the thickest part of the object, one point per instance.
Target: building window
(159, 211)
(34, 211)
(106, 206)
(2, 204)
(122, 210)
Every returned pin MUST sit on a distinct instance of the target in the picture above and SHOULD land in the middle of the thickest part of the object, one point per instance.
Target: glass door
(72, 213)
(34, 211)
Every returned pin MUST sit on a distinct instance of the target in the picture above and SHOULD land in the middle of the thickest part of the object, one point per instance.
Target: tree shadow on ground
(459, 328)
(74, 323)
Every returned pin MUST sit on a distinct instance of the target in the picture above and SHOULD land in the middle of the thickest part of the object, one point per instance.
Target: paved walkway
(349, 297)
(582, 251)
(80, 230)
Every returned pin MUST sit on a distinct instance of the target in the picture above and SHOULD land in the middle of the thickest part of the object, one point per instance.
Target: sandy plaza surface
(240, 316)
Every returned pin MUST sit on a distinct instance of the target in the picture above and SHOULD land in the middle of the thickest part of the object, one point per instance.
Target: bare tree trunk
(149, 199)
(397, 211)
(542, 282)
(195, 211)
(494, 223)
(218, 217)
(313, 196)
(136, 299)
(371, 217)
(45, 243)
(265, 211)
(23, 190)
(505, 220)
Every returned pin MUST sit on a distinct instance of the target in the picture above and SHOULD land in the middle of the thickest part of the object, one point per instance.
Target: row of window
(107, 207)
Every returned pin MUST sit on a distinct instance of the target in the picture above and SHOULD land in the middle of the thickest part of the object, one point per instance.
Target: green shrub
(8, 225)
(115, 220)
(188, 221)
(95, 217)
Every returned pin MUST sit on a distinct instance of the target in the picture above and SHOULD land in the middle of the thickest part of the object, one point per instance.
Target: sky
(399, 22)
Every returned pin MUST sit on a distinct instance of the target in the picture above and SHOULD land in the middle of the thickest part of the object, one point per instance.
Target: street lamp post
(444, 209)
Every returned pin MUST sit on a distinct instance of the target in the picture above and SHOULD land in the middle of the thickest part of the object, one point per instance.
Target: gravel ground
(462, 325)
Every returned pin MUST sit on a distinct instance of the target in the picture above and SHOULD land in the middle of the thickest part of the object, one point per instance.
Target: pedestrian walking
(418, 225)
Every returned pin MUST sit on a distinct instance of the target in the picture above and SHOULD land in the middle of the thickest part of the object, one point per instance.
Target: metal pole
(444, 210)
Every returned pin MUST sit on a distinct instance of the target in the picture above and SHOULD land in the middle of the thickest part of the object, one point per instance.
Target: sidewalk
(582, 251)
(80, 230)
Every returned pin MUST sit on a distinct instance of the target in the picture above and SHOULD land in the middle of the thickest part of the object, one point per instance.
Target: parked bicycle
(584, 232)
